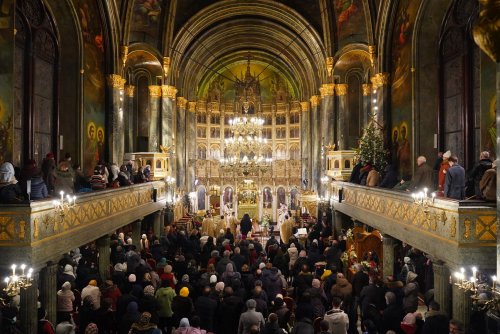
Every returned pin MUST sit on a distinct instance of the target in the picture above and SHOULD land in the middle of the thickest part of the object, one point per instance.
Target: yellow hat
(93, 282)
(184, 292)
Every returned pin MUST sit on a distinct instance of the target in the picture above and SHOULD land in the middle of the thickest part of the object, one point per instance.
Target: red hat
(50, 155)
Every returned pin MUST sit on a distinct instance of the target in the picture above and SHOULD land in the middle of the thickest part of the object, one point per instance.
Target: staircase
(185, 223)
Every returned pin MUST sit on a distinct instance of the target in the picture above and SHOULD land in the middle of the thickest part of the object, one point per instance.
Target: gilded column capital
(380, 79)
(191, 106)
(129, 90)
(305, 106)
(169, 91)
(154, 91)
(367, 89)
(327, 89)
(116, 81)
(315, 100)
(329, 65)
(181, 102)
(487, 29)
(341, 89)
(166, 65)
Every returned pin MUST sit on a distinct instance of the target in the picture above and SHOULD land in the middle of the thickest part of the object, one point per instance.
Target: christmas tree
(371, 145)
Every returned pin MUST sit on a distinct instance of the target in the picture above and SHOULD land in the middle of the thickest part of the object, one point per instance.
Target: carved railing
(37, 225)
(460, 232)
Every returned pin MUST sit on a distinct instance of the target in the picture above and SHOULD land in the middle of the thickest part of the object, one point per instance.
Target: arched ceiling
(220, 36)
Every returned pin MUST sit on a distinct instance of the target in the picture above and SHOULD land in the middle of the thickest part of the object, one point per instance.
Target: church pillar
(442, 291)
(168, 94)
(154, 117)
(136, 233)
(115, 127)
(48, 290)
(337, 223)
(305, 136)
(128, 120)
(388, 258)
(157, 222)
(380, 92)
(315, 183)
(367, 102)
(462, 304)
(180, 142)
(103, 248)
(326, 121)
(342, 128)
(28, 306)
(191, 146)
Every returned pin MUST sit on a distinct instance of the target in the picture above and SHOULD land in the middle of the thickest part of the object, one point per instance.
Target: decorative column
(191, 145)
(337, 223)
(28, 307)
(442, 291)
(157, 222)
(168, 94)
(388, 258)
(342, 127)
(305, 138)
(115, 130)
(129, 119)
(314, 183)
(48, 290)
(154, 118)
(367, 102)
(103, 248)
(462, 304)
(180, 142)
(326, 111)
(380, 93)
(136, 233)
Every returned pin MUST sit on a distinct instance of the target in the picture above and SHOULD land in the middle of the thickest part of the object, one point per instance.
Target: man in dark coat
(392, 315)
(228, 313)
(205, 308)
(477, 173)
(436, 322)
(423, 177)
(454, 184)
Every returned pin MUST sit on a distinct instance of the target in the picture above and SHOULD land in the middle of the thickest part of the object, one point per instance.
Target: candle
(494, 279)
(23, 266)
(62, 196)
(28, 186)
(474, 271)
(13, 267)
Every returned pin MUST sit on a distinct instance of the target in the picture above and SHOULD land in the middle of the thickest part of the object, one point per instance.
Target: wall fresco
(94, 83)
(350, 17)
(401, 94)
(6, 84)
(146, 17)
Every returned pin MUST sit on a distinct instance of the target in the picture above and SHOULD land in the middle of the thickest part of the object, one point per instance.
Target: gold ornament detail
(367, 89)
(129, 90)
(467, 231)
(154, 91)
(124, 54)
(327, 90)
(486, 32)
(305, 106)
(181, 102)
(22, 229)
(372, 51)
(329, 65)
(380, 79)
(315, 99)
(341, 89)
(166, 65)
(453, 228)
(116, 81)
(169, 91)
(192, 106)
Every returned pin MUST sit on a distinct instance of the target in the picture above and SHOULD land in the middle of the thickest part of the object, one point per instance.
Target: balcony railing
(457, 232)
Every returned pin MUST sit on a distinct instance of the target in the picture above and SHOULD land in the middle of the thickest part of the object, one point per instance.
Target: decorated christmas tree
(371, 145)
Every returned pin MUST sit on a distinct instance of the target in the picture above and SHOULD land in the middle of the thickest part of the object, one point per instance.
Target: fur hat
(184, 292)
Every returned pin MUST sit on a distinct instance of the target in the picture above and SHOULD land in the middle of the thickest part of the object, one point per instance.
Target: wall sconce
(17, 282)
(64, 204)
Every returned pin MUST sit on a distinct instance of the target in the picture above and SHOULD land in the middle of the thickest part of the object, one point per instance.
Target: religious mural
(94, 83)
(401, 85)
(350, 17)
(146, 19)
(488, 104)
(6, 56)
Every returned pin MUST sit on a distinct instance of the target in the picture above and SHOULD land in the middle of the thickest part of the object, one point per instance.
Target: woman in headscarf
(144, 325)
(183, 326)
(64, 178)
(229, 274)
(65, 299)
(10, 191)
(123, 177)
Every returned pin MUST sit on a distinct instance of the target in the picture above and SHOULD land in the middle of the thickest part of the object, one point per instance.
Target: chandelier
(17, 282)
(485, 296)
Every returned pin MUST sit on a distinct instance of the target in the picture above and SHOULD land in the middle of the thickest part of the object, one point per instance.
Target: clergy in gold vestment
(206, 225)
(233, 224)
(286, 230)
(220, 224)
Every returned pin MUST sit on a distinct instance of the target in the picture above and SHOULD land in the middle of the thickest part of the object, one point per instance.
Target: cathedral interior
(177, 84)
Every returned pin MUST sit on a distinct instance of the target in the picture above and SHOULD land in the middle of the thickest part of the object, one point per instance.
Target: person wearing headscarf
(131, 316)
(93, 292)
(411, 289)
(165, 296)
(229, 274)
(183, 326)
(65, 324)
(123, 177)
(10, 191)
(65, 299)
(148, 303)
(66, 276)
(144, 325)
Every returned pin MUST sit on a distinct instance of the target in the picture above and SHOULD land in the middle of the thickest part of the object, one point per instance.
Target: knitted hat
(213, 279)
(93, 282)
(68, 269)
(219, 286)
(251, 246)
(132, 278)
(149, 290)
(184, 292)
(316, 283)
(168, 269)
(91, 329)
(118, 267)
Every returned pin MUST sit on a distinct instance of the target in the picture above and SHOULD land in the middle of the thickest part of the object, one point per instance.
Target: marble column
(337, 223)
(191, 146)
(342, 124)
(305, 138)
(28, 306)
(326, 110)
(462, 305)
(157, 223)
(167, 131)
(48, 290)
(442, 290)
(380, 85)
(154, 118)
(180, 142)
(315, 182)
(115, 128)
(367, 102)
(388, 258)
(129, 119)
(103, 248)
(136, 233)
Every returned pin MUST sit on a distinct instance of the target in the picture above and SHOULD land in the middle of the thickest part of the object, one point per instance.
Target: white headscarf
(7, 172)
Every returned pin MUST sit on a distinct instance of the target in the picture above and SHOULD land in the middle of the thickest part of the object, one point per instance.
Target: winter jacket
(248, 319)
(165, 296)
(454, 184)
(65, 299)
(272, 284)
(205, 308)
(338, 321)
(303, 327)
(38, 189)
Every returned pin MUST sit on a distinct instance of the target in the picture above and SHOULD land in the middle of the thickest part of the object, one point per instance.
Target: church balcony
(460, 233)
(35, 233)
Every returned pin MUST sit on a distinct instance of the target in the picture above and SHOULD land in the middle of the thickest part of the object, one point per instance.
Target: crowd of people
(446, 178)
(32, 182)
(189, 282)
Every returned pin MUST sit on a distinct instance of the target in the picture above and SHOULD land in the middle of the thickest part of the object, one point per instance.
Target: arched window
(35, 83)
